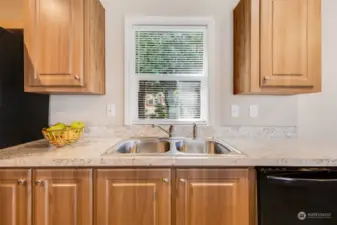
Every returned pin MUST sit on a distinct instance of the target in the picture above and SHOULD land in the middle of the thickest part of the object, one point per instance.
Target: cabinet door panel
(221, 194)
(212, 196)
(62, 197)
(142, 210)
(286, 42)
(55, 41)
(290, 36)
(132, 196)
(15, 201)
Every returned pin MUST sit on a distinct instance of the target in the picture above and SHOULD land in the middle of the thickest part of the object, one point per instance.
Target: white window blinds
(169, 99)
(168, 74)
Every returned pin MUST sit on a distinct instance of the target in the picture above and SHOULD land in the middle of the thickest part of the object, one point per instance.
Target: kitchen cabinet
(214, 196)
(64, 46)
(277, 47)
(62, 197)
(120, 196)
(15, 196)
(132, 196)
(11, 14)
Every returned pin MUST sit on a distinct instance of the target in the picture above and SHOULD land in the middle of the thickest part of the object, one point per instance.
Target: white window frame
(131, 79)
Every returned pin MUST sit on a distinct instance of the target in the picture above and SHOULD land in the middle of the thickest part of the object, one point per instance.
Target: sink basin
(204, 146)
(165, 146)
(143, 145)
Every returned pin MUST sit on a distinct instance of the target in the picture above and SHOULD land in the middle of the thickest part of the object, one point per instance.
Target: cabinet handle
(22, 181)
(76, 77)
(182, 180)
(267, 78)
(166, 180)
(39, 182)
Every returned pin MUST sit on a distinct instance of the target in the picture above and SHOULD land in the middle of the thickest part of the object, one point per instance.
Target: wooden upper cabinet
(215, 196)
(62, 197)
(65, 46)
(132, 196)
(58, 42)
(11, 14)
(15, 201)
(277, 46)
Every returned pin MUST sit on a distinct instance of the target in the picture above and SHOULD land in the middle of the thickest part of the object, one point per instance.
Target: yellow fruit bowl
(61, 138)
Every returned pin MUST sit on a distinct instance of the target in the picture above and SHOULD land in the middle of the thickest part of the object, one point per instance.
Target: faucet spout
(169, 131)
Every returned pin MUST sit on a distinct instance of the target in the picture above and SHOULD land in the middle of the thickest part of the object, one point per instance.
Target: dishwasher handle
(299, 181)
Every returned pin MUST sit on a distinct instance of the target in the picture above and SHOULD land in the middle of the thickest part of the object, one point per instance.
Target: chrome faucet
(169, 131)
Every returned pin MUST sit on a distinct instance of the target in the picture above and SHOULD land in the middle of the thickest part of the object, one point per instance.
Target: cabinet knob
(39, 182)
(166, 180)
(267, 78)
(182, 180)
(76, 77)
(22, 181)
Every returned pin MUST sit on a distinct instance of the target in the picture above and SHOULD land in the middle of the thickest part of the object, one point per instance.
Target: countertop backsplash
(202, 131)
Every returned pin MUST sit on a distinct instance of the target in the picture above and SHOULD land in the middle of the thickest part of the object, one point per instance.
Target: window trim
(130, 21)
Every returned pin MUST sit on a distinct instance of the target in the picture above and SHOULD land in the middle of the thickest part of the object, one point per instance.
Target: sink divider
(173, 147)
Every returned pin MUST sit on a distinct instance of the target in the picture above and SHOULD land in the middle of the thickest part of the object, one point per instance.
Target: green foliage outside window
(169, 52)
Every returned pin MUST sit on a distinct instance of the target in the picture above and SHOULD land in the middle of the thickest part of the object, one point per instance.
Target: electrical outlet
(254, 111)
(111, 110)
(235, 111)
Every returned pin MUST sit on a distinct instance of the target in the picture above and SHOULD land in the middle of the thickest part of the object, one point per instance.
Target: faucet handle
(194, 130)
(171, 129)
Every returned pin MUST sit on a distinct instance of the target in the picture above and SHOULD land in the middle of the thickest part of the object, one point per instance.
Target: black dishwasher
(297, 196)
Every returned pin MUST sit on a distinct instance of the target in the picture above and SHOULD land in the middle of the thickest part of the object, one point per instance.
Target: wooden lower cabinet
(127, 196)
(214, 196)
(133, 197)
(62, 197)
(15, 197)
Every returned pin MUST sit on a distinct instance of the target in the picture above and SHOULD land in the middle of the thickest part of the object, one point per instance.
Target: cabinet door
(15, 197)
(11, 14)
(54, 42)
(62, 197)
(290, 43)
(132, 196)
(213, 196)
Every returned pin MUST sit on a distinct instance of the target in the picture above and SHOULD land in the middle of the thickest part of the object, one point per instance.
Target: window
(166, 71)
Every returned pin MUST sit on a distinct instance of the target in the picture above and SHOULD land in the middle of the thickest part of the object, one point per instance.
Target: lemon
(57, 127)
(77, 125)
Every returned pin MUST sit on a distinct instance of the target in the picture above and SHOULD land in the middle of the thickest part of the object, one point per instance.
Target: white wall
(274, 110)
(317, 113)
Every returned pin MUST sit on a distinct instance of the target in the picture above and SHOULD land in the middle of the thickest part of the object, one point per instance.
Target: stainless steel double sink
(176, 145)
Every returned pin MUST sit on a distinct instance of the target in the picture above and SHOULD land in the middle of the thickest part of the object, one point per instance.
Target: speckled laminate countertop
(89, 152)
